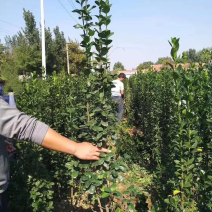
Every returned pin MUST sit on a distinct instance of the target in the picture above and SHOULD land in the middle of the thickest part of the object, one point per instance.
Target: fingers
(97, 154)
(103, 150)
(95, 158)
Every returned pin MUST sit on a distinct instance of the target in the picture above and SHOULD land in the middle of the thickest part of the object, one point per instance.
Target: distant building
(156, 68)
(160, 66)
(128, 73)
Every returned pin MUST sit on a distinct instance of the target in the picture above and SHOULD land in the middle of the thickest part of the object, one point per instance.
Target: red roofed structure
(129, 73)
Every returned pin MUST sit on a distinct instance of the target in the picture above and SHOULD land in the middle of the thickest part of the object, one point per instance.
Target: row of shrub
(171, 111)
(42, 173)
(72, 107)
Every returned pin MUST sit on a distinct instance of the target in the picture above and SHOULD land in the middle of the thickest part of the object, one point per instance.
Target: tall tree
(77, 58)
(2, 48)
(26, 46)
(145, 65)
(118, 65)
(164, 60)
(193, 56)
(58, 48)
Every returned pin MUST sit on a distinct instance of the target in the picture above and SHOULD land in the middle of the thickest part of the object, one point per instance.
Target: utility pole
(67, 58)
(43, 38)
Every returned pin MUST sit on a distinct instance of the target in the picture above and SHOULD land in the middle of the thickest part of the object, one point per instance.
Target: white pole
(43, 38)
(67, 58)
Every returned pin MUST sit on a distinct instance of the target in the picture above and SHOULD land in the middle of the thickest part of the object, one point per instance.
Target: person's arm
(85, 151)
(13, 123)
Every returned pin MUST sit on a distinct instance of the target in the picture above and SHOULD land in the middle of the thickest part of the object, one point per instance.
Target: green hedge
(173, 110)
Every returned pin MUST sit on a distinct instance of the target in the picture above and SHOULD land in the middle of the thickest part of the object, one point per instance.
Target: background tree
(118, 65)
(193, 56)
(164, 60)
(58, 49)
(116, 71)
(26, 46)
(9, 72)
(77, 58)
(2, 49)
(145, 65)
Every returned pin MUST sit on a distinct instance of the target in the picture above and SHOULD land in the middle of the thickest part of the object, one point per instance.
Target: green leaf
(189, 114)
(117, 194)
(91, 33)
(131, 206)
(102, 155)
(172, 200)
(106, 9)
(99, 136)
(131, 188)
(78, 26)
(101, 95)
(187, 185)
(126, 156)
(104, 113)
(113, 187)
(176, 75)
(105, 124)
(75, 174)
(105, 194)
(98, 163)
(88, 174)
(126, 192)
(99, 144)
(92, 189)
(189, 177)
(189, 162)
(84, 178)
(86, 39)
(109, 156)
(114, 173)
(87, 184)
(108, 190)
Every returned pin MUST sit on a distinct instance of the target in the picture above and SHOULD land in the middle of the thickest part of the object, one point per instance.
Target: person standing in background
(117, 93)
(6, 98)
(11, 98)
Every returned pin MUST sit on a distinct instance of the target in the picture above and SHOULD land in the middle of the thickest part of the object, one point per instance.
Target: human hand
(9, 147)
(87, 151)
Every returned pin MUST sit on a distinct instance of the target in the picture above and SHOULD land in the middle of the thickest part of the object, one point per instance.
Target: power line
(10, 23)
(6, 30)
(67, 11)
(6, 33)
(72, 4)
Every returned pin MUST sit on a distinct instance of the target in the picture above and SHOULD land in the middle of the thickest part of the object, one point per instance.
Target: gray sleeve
(13, 123)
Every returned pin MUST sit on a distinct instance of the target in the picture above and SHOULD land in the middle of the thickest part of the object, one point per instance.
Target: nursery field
(161, 152)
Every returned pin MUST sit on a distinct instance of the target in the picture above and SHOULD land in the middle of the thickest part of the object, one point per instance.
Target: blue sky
(142, 27)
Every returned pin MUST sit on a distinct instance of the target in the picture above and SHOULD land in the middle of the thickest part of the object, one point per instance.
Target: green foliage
(81, 109)
(55, 50)
(164, 60)
(77, 58)
(100, 125)
(144, 65)
(172, 109)
(9, 72)
(118, 65)
(25, 48)
(116, 71)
